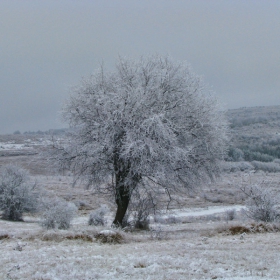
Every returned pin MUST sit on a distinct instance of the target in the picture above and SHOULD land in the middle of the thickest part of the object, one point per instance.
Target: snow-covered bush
(17, 193)
(261, 204)
(250, 155)
(57, 212)
(158, 233)
(96, 218)
(82, 205)
(235, 154)
(230, 214)
(277, 160)
(227, 166)
(143, 209)
(140, 208)
(266, 166)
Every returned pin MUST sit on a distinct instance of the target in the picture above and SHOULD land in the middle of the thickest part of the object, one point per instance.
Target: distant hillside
(254, 136)
(255, 133)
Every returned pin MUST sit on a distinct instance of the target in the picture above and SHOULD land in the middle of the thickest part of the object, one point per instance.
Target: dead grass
(84, 237)
(140, 265)
(265, 227)
(52, 236)
(234, 230)
(4, 236)
(60, 236)
(253, 228)
(110, 237)
(103, 236)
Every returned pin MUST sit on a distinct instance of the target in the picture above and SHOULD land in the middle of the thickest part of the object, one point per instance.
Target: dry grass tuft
(140, 265)
(254, 228)
(109, 236)
(265, 227)
(52, 236)
(4, 236)
(234, 230)
(59, 237)
(84, 237)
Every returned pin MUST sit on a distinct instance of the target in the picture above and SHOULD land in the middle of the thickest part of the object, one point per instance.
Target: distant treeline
(243, 120)
(260, 140)
(47, 132)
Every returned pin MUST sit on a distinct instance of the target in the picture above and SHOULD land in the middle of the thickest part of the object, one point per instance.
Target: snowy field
(12, 145)
(195, 245)
(186, 251)
(190, 242)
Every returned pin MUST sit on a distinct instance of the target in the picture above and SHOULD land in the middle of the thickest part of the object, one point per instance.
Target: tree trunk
(122, 200)
(122, 190)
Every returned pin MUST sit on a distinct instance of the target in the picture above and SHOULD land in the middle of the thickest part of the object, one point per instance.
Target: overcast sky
(47, 46)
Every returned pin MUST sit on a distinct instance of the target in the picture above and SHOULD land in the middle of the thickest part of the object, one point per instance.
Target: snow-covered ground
(191, 257)
(198, 250)
(196, 212)
(12, 146)
(194, 245)
(28, 144)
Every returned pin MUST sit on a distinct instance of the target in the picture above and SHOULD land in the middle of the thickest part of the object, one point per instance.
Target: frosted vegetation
(255, 136)
(151, 124)
(17, 193)
(97, 217)
(56, 213)
(262, 203)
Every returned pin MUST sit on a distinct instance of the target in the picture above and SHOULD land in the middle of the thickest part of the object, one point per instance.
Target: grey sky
(47, 46)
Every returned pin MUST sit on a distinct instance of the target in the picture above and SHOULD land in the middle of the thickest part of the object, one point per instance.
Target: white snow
(189, 251)
(12, 146)
(195, 212)
(28, 144)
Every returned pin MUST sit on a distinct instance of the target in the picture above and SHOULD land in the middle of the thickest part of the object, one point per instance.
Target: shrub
(17, 194)
(277, 160)
(82, 205)
(235, 154)
(258, 156)
(236, 166)
(96, 218)
(230, 214)
(158, 233)
(141, 206)
(261, 204)
(57, 212)
(266, 166)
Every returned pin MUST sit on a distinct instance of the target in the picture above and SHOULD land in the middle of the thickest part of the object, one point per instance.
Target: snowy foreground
(200, 248)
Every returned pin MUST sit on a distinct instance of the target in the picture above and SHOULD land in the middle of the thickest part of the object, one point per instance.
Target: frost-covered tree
(151, 123)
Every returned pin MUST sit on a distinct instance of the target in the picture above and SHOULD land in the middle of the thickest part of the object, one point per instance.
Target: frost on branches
(149, 124)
